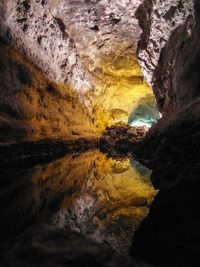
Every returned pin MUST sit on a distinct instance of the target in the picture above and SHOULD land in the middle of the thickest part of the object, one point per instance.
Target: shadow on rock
(49, 246)
(169, 235)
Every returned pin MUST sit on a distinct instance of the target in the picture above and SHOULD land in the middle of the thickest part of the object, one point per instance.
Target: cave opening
(145, 114)
(122, 95)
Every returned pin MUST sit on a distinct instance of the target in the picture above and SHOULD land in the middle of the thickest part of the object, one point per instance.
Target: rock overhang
(94, 47)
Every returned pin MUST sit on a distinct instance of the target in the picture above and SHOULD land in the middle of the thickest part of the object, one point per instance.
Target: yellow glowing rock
(100, 196)
(119, 87)
(37, 108)
(43, 109)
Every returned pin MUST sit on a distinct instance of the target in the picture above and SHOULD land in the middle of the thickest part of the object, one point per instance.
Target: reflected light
(137, 123)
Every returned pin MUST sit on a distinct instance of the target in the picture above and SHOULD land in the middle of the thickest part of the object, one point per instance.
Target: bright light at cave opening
(145, 114)
(136, 123)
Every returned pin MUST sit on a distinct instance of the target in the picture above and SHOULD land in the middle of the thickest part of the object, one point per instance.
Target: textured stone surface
(121, 139)
(145, 114)
(49, 246)
(33, 108)
(68, 33)
(169, 235)
(158, 20)
(176, 77)
(92, 46)
(172, 136)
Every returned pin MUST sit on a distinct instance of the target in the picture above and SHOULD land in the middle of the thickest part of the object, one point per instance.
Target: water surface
(102, 198)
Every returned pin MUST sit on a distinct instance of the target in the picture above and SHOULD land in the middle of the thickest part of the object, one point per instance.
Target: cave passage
(145, 114)
(81, 87)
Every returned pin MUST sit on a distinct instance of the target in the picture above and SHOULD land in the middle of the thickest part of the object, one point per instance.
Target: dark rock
(176, 78)
(33, 152)
(171, 138)
(49, 246)
(143, 14)
(23, 74)
(169, 236)
(121, 138)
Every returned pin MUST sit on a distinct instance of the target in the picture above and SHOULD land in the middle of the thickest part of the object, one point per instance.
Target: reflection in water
(103, 199)
(169, 236)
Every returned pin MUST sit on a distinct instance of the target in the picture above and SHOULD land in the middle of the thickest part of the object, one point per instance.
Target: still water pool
(104, 199)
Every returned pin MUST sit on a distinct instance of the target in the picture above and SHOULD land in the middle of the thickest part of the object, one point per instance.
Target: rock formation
(169, 235)
(33, 107)
(49, 246)
(93, 47)
(84, 65)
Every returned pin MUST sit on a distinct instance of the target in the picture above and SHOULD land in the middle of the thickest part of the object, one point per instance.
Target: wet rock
(121, 138)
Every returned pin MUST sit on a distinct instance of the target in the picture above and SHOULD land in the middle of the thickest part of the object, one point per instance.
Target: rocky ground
(49, 246)
(121, 139)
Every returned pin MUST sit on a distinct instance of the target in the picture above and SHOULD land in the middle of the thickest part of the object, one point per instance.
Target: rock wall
(169, 51)
(33, 108)
(90, 46)
(176, 77)
(94, 48)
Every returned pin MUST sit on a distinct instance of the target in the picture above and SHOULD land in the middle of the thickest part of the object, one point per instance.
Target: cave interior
(99, 133)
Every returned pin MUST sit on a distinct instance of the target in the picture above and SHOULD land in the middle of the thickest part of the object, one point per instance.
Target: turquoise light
(145, 114)
(138, 123)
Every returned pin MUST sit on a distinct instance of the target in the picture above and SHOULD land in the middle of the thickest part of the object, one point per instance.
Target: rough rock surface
(34, 108)
(173, 136)
(159, 19)
(169, 235)
(71, 32)
(121, 138)
(49, 246)
(176, 77)
(92, 46)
